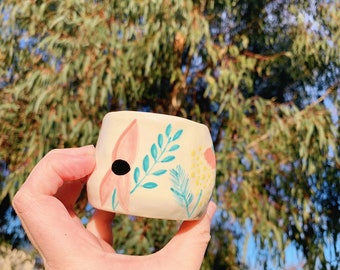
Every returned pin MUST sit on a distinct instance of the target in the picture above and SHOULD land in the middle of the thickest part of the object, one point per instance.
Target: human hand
(45, 204)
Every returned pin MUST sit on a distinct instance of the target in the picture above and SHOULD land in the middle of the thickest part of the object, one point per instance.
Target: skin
(45, 204)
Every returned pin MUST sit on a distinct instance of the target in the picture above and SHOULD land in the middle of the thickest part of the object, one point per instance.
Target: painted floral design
(121, 181)
(202, 168)
(116, 182)
(162, 151)
(180, 189)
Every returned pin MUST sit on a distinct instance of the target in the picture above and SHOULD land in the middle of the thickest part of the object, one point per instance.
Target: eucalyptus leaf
(261, 75)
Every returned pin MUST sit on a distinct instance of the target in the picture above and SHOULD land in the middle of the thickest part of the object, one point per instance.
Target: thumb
(187, 248)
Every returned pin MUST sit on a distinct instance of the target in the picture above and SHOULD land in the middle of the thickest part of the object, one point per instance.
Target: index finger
(57, 167)
(43, 215)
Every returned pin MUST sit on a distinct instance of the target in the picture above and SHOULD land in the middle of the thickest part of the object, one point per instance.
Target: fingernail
(88, 149)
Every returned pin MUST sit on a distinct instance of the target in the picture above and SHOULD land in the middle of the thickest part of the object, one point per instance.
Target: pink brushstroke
(125, 149)
(209, 156)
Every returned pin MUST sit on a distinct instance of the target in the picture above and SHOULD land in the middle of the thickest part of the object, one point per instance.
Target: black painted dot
(120, 167)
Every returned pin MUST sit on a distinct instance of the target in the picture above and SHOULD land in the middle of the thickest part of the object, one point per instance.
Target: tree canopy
(262, 75)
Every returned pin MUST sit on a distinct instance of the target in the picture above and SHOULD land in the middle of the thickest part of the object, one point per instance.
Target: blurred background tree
(263, 75)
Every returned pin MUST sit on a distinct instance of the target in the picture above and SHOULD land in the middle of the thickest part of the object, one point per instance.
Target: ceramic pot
(152, 165)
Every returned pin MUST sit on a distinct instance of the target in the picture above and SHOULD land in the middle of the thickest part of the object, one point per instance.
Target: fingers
(186, 249)
(53, 175)
(43, 204)
(69, 192)
(44, 217)
(101, 225)
(59, 166)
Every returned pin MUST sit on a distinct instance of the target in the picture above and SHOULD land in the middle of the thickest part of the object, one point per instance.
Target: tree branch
(264, 136)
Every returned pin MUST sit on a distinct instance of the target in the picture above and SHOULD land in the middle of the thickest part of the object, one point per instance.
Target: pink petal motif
(126, 146)
(210, 157)
(107, 186)
(125, 149)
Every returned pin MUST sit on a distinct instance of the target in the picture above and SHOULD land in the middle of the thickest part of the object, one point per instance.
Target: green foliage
(140, 236)
(258, 73)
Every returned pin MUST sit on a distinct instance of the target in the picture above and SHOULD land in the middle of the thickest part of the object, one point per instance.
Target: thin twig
(307, 108)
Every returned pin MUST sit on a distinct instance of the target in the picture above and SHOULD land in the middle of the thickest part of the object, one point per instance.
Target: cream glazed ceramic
(152, 165)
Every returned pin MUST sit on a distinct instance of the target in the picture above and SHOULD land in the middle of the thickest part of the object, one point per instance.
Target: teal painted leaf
(150, 185)
(113, 199)
(178, 134)
(154, 151)
(159, 172)
(168, 159)
(168, 130)
(180, 189)
(174, 147)
(160, 140)
(179, 195)
(146, 163)
(136, 175)
(190, 197)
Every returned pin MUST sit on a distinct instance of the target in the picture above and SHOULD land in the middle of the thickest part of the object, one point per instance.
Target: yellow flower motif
(201, 175)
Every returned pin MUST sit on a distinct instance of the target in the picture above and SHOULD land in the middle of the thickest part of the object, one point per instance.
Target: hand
(45, 204)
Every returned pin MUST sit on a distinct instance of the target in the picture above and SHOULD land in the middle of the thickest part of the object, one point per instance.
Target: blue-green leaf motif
(174, 147)
(160, 140)
(150, 185)
(158, 155)
(190, 197)
(180, 189)
(114, 204)
(146, 163)
(136, 175)
(168, 130)
(154, 151)
(168, 159)
(159, 172)
(178, 134)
